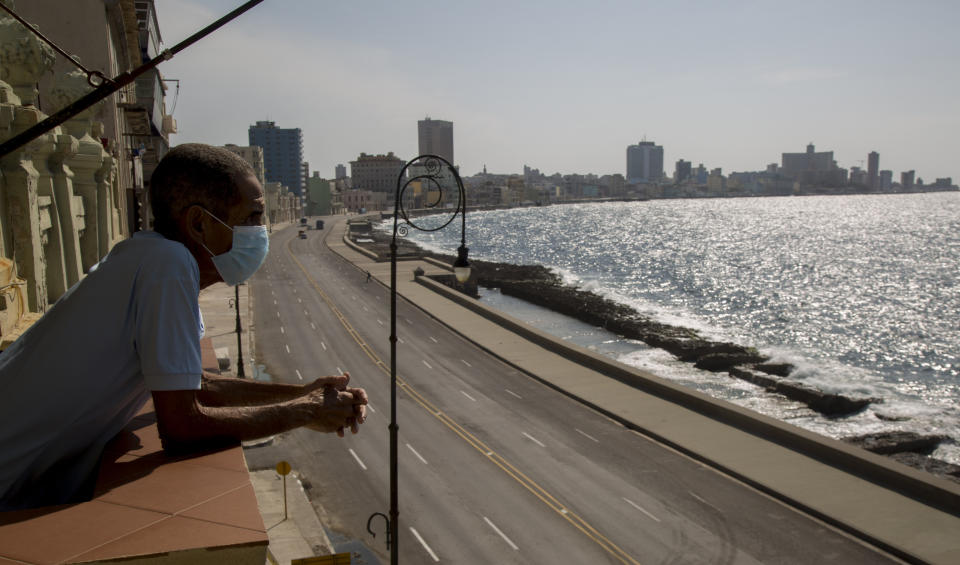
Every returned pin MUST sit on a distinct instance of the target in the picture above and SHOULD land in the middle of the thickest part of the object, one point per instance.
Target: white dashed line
(501, 534)
(357, 457)
(427, 364)
(408, 321)
(300, 301)
(424, 544)
(433, 339)
(585, 434)
(323, 345)
(465, 363)
(282, 330)
(400, 340)
(704, 502)
(288, 348)
(641, 509)
(370, 408)
(365, 309)
(379, 321)
(278, 313)
(420, 457)
(313, 326)
(274, 302)
(299, 376)
(468, 396)
(533, 439)
(305, 313)
(339, 371)
(513, 393)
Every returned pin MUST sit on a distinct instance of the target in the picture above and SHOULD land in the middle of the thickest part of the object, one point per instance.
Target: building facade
(376, 173)
(73, 192)
(873, 170)
(252, 155)
(282, 154)
(813, 168)
(644, 162)
(435, 137)
(340, 172)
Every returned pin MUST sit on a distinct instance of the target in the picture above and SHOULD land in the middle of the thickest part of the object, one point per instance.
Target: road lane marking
(370, 407)
(294, 290)
(281, 330)
(339, 371)
(433, 339)
(585, 434)
(299, 376)
(513, 393)
(641, 509)
(400, 340)
(545, 496)
(379, 321)
(704, 502)
(313, 326)
(300, 301)
(533, 439)
(465, 363)
(323, 345)
(274, 302)
(354, 297)
(420, 457)
(424, 544)
(468, 396)
(501, 534)
(288, 348)
(427, 364)
(278, 313)
(305, 313)
(357, 457)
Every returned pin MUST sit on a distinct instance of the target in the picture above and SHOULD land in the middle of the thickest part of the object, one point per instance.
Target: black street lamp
(236, 303)
(428, 173)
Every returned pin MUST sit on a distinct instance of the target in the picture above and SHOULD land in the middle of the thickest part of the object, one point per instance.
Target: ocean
(860, 292)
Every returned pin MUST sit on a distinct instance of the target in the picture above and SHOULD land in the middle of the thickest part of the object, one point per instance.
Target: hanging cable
(108, 86)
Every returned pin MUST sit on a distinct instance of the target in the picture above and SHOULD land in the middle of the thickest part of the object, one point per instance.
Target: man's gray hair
(194, 173)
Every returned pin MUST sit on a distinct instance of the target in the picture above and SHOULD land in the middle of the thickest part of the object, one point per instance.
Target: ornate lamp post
(430, 172)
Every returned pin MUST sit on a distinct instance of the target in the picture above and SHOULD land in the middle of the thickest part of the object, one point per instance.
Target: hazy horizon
(567, 86)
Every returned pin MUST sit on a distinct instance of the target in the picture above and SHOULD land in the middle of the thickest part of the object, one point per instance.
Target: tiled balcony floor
(146, 503)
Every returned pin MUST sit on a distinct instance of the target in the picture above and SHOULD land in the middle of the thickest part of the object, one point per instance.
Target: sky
(565, 86)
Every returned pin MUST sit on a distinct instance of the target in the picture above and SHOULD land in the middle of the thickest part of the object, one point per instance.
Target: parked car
(319, 224)
(303, 234)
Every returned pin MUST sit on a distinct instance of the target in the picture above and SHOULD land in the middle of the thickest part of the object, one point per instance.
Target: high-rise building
(436, 138)
(340, 172)
(873, 170)
(886, 179)
(282, 154)
(906, 179)
(682, 171)
(813, 168)
(644, 162)
(376, 173)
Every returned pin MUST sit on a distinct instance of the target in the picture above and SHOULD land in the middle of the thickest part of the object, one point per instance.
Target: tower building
(436, 138)
(644, 162)
(282, 154)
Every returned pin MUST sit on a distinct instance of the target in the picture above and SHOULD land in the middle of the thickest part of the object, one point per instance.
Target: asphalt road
(494, 467)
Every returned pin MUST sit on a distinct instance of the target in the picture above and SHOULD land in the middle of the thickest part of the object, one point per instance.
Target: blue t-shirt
(80, 373)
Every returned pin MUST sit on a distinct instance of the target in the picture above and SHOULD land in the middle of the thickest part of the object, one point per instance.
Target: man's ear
(194, 223)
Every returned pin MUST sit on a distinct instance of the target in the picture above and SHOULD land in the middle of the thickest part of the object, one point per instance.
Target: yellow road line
(471, 439)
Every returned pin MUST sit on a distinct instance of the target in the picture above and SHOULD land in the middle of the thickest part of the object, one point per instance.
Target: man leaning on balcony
(131, 330)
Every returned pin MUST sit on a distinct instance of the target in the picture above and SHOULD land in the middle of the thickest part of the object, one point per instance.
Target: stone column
(22, 204)
(85, 164)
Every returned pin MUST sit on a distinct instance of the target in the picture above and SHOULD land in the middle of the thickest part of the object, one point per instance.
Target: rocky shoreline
(540, 286)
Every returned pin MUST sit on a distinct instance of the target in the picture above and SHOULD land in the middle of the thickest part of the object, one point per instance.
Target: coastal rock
(719, 362)
(887, 443)
(829, 404)
(926, 463)
(778, 369)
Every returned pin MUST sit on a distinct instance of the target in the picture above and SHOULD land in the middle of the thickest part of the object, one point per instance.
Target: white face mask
(249, 250)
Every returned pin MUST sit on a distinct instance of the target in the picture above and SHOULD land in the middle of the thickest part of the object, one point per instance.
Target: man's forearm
(219, 391)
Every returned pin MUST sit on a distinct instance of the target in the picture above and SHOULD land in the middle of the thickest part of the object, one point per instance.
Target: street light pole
(236, 302)
(429, 171)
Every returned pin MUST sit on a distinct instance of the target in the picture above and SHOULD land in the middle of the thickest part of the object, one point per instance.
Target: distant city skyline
(733, 85)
